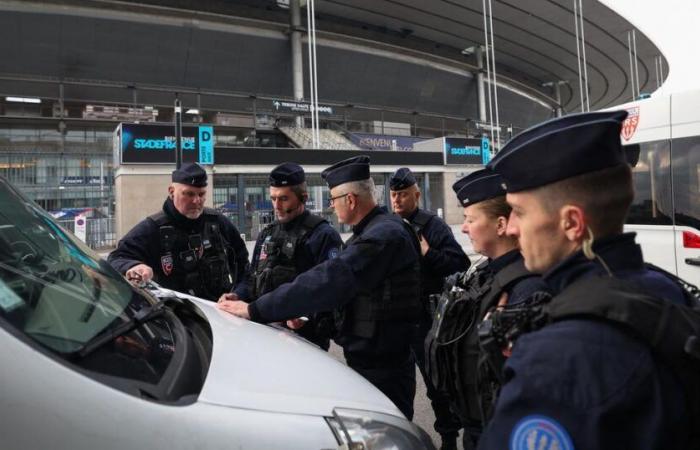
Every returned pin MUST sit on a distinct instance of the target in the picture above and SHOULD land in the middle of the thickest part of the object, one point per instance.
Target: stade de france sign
(155, 144)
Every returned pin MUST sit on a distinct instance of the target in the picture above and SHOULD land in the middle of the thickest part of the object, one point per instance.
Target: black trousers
(446, 422)
(396, 381)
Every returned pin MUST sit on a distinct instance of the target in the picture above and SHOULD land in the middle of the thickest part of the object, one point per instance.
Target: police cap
(352, 169)
(402, 179)
(287, 174)
(191, 174)
(479, 186)
(561, 148)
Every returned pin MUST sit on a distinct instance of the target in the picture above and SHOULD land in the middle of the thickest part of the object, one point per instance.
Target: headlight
(367, 430)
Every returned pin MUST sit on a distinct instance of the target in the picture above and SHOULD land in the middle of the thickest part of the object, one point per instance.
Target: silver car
(88, 361)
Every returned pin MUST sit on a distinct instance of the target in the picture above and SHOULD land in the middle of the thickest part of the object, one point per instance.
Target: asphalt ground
(423, 415)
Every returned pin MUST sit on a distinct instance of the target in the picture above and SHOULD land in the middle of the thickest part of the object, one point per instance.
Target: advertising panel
(460, 151)
(148, 144)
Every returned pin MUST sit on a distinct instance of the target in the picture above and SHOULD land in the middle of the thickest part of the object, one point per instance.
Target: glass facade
(60, 171)
(254, 211)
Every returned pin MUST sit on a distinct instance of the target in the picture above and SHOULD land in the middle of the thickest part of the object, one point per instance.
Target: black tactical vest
(455, 361)
(277, 263)
(191, 262)
(396, 299)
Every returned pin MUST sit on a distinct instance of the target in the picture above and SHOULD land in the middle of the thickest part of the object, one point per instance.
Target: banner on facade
(383, 141)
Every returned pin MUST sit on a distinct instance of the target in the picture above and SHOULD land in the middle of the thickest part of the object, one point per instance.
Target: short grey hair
(300, 190)
(364, 189)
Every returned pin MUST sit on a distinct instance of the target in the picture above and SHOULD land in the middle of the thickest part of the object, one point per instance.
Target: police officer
(498, 281)
(374, 283)
(294, 243)
(578, 382)
(441, 256)
(185, 246)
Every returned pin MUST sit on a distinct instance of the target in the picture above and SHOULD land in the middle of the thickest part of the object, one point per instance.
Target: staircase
(329, 139)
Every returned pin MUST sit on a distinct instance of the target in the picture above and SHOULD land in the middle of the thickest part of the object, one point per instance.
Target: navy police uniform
(204, 256)
(492, 278)
(443, 258)
(372, 285)
(284, 250)
(578, 383)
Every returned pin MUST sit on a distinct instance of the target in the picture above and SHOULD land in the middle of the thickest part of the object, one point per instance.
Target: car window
(54, 288)
(686, 181)
(651, 171)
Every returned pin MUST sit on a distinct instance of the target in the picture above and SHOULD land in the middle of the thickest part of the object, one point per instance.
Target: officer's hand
(235, 307)
(139, 274)
(424, 247)
(295, 324)
(228, 296)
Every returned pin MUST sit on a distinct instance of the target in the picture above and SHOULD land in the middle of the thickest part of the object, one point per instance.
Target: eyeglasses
(332, 200)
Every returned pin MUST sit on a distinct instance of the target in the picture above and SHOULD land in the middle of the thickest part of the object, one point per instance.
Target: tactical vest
(671, 331)
(454, 359)
(431, 284)
(195, 263)
(277, 263)
(396, 299)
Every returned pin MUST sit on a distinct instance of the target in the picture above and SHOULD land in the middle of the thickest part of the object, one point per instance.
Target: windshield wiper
(142, 316)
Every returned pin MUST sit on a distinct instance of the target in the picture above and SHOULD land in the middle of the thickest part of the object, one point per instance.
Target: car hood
(260, 367)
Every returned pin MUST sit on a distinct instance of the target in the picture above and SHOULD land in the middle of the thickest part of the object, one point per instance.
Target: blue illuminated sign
(459, 151)
(206, 145)
(145, 143)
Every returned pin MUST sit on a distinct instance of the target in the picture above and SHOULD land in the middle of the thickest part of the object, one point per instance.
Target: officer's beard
(289, 214)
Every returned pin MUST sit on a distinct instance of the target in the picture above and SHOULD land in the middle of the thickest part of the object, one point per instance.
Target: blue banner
(368, 141)
(206, 145)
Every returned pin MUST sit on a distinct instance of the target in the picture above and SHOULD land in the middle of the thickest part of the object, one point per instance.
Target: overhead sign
(300, 107)
(144, 144)
(460, 151)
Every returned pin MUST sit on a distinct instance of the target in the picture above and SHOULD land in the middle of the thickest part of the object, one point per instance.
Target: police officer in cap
(500, 280)
(294, 243)
(373, 284)
(582, 382)
(185, 246)
(441, 256)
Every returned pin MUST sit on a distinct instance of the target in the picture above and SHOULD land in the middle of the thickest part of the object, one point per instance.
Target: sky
(672, 26)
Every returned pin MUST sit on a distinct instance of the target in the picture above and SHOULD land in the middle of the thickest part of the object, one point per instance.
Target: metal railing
(99, 232)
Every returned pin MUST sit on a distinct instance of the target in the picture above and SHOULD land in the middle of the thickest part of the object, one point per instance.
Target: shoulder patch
(540, 433)
(333, 253)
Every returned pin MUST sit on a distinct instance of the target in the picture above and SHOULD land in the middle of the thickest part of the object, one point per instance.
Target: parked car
(89, 361)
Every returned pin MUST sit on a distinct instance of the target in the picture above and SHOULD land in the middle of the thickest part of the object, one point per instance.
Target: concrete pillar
(480, 88)
(140, 191)
(297, 60)
(453, 213)
(557, 96)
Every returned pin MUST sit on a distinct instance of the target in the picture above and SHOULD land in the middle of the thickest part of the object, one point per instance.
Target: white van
(666, 209)
(90, 362)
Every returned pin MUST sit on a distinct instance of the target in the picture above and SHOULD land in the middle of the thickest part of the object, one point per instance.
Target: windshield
(52, 286)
